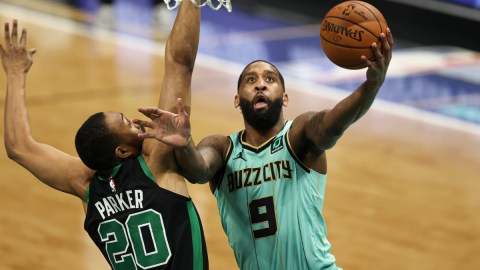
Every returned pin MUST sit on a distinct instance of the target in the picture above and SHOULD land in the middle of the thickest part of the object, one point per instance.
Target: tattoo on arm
(319, 134)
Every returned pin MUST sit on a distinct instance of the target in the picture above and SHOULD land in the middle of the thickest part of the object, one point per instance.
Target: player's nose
(261, 86)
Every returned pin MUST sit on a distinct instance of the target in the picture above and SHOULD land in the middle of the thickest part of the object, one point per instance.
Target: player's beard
(261, 120)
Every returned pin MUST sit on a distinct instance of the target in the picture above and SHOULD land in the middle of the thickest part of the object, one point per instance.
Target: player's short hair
(96, 143)
(240, 78)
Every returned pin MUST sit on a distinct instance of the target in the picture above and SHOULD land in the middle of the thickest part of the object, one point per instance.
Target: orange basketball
(348, 31)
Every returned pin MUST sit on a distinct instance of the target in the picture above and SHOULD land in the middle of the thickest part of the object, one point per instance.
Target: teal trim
(196, 237)
(145, 168)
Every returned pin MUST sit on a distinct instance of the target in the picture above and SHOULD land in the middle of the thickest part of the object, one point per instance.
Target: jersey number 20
(145, 232)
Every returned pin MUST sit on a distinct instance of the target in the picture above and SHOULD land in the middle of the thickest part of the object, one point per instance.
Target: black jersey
(139, 225)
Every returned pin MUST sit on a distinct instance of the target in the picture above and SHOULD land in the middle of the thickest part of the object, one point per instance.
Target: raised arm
(324, 128)
(180, 55)
(53, 167)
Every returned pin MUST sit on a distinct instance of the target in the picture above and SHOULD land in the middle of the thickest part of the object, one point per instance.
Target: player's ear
(123, 151)
(236, 101)
(285, 99)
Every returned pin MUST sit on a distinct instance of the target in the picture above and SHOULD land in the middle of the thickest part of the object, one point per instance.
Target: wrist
(16, 74)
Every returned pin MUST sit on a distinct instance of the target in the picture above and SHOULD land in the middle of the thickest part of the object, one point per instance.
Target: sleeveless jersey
(271, 205)
(138, 225)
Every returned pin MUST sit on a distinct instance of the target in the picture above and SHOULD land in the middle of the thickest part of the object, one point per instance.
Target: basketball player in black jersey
(138, 210)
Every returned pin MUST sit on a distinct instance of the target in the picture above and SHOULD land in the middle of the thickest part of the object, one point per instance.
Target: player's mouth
(260, 102)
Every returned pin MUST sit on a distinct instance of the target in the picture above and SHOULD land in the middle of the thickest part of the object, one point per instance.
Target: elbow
(16, 149)
(11, 155)
(184, 58)
(12, 152)
(185, 63)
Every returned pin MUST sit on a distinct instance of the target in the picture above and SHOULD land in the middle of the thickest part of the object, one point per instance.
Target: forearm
(182, 44)
(17, 125)
(324, 128)
(357, 104)
(69, 174)
(350, 109)
(192, 163)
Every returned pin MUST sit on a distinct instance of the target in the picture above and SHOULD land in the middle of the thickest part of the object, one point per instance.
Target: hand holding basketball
(348, 31)
(377, 69)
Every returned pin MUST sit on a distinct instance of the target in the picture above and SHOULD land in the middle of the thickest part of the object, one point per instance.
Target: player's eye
(251, 79)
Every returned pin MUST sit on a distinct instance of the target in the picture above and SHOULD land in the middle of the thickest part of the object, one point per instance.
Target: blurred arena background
(403, 184)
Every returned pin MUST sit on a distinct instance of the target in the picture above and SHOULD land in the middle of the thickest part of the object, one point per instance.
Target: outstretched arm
(68, 174)
(325, 128)
(200, 164)
(180, 54)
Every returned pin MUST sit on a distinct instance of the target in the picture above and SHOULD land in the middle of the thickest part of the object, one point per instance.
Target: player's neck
(256, 137)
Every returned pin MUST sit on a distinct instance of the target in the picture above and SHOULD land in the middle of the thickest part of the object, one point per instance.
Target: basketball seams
(371, 12)
(358, 40)
(360, 64)
(359, 25)
(345, 46)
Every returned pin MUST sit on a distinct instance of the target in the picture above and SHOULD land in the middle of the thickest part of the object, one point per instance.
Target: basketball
(348, 31)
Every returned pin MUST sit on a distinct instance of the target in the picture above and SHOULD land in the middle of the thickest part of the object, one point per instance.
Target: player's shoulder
(297, 134)
(299, 123)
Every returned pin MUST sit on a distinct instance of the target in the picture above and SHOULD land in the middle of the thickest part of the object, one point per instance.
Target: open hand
(172, 129)
(15, 57)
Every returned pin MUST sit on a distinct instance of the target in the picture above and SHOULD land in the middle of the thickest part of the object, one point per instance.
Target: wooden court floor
(401, 194)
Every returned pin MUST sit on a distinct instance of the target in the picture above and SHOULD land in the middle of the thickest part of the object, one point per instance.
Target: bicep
(312, 128)
(213, 150)
(57, 169)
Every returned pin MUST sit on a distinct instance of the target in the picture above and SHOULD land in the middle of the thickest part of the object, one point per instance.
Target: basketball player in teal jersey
(138, 210)
(269, 179)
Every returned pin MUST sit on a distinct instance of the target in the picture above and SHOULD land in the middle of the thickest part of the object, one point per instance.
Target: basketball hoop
(226, 3)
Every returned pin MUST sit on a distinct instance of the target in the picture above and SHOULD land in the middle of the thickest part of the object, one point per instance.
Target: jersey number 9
(263, 211)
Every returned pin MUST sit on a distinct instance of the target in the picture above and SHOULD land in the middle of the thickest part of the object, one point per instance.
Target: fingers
(376, 50)
(23, 38)
(367, 62)
(389, 37)
(388, 44)
(11, 39)
(143, 123)
(151, 112)
(146, 135)
(7, 35)
(15, 33)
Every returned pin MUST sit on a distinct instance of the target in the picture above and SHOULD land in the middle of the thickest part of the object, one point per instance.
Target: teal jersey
(271, 205)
